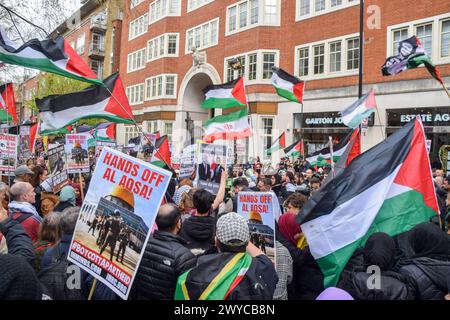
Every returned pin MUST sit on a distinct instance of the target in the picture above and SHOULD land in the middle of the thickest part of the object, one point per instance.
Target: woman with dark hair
(429, 267)
(39, 176)
(49, 234)
(276, 184)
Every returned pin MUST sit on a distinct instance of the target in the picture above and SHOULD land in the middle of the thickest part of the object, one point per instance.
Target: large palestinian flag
(386, 189)
(287, 86)
(319, 157)
(411, 54)
(161, 154)
(54, 56)
(224, 96)
(296, 149)
(227, 127)
(59, 111)
(7, 103)
(279, 144)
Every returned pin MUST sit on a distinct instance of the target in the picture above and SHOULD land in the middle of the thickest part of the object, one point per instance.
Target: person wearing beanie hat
(239, 271)
(67, 198)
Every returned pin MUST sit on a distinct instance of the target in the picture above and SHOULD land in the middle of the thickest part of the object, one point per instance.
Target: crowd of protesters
(199, 233)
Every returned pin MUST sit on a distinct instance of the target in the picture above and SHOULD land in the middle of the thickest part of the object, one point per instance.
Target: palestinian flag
(161, 154)
(105, 132)
(7, 103)
(59, 111)
(279, 144)
(287, 86)
(33, 135)
(360, 110)
(295, 150)
(411, 55)
(225, 96)
(386, 189)
(227, 127)
(319, 157)
(54, 56)
(218, 278)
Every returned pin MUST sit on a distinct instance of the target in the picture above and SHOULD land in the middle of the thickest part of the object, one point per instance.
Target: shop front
(436, 122)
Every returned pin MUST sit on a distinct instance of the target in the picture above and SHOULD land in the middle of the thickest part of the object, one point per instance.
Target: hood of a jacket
(200, 228)
(392, 286)
(436, 270)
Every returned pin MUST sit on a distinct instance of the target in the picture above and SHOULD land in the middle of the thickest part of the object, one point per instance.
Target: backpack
(54, 278)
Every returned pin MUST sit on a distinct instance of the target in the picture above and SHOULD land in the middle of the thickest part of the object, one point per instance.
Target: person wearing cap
(239, 271)
(23, 174)
(67, 198)
(165, 258)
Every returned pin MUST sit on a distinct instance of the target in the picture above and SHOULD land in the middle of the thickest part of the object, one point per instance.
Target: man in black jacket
(165, 258)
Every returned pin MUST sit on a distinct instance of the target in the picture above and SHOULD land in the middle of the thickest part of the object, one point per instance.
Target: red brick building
(317, 40)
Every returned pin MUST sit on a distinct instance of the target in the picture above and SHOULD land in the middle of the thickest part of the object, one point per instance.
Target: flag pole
(332, 156)
(138, 127)
(445, 88)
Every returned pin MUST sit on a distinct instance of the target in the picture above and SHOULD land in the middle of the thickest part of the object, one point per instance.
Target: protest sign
(117, 214)
(100, 144)
(8, 154)
(57, 168)
(187, 161)
(24, 145)
(77, 152)
(147, 146)
(210, 160)
(258, 208)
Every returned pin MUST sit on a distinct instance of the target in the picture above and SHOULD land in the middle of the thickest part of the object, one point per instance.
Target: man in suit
(217, 171)
(204, 169)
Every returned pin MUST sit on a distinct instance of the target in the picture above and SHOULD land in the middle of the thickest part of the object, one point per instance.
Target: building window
(203, 36)
(168, 130)
(303, 55)
(399, 36)
(335, 3)
(195, 4)
(80, 44)
(305, 7)
(267, 127)
(97, 42)
(319, 59)
(246, 14)
(97, 67)
(130, 133)
(252, 65)
(353, 54)
(335, 56)
(160, 87)
(152, 126)
(319, 5)
(165, 45)
(160, 9)
(268, 63)
(135, 94)
(138, 27)
(136, 60)
(445, 39)
(134, 3)
(425, 35)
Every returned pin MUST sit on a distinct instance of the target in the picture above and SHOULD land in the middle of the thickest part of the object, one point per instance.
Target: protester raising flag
(279, 144)
(296, 149)
(8, 103)
(59, 111)
(287, 86)
(224, 96)
(228, 127)
(411, 55)
(360, 110)
(161, 154)
(318, 157)
(105, 131)
(386, 189)
(54, 56)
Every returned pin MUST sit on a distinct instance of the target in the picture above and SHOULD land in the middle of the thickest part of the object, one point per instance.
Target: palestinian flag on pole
(105, 132)
(7, 103)
(225, 96)
(33, 135)
(288, 86)
(279, 144)
(59, 111)
(227, 127)
(161, 154)
(319, 157)
(54, 56)
(411, 55)
(360, 110)
(386, 189)
(296, 149)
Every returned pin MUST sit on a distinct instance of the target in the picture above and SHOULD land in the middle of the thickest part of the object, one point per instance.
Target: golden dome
(77, 145)
(123, 194)
(253, 215)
